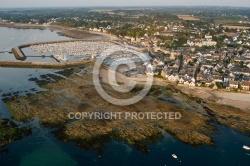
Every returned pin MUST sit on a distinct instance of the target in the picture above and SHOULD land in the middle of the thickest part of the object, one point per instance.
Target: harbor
(74, 48)
(74, 53)
(60, 51)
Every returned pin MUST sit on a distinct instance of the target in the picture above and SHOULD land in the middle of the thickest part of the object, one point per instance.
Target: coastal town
(214, 56)
(187, 52)
(125, 85)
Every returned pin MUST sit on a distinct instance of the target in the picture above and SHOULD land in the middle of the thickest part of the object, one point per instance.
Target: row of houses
(191, 82)
(244, 85)
(207, 41)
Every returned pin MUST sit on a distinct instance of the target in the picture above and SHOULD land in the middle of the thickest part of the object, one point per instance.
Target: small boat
(61, 58)
(174, 156)
(246, 147)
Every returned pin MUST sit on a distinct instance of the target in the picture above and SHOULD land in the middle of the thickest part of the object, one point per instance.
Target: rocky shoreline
(230, 116)
(11, 132)
(74, 92)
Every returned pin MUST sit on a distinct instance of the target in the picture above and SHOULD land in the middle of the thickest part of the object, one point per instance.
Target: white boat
(174, 156)
(246, 147)
(61, 58)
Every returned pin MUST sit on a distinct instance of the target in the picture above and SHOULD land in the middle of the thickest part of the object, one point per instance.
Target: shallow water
(11, 37)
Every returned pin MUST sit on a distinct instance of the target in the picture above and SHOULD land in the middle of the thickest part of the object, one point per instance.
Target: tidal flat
(72, 90)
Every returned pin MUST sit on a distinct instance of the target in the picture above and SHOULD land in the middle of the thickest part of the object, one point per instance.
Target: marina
(73, 48)
(70, 52)
(59, 51)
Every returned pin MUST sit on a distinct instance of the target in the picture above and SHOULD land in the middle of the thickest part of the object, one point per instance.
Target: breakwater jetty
(5, 52)
(43, 64)
(18, 53)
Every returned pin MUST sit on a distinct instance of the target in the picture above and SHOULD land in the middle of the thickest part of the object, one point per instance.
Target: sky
(84, 3)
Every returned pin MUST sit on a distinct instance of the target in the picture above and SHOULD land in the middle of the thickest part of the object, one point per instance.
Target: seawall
(43, 64)
(19, 55)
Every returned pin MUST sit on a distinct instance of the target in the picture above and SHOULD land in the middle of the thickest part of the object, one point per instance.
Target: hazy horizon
(114, 3)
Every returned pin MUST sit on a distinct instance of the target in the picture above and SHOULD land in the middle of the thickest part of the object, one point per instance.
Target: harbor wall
(18, 53)
(43, 64)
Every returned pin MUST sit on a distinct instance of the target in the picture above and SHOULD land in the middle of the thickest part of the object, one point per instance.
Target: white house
(181, 81)
(149, 69)
(245, 85)
(173, 78)
(191, 84)
(233, 84)
(186, 83)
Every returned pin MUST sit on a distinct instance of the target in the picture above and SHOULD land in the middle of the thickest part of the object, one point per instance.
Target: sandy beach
(238, 100)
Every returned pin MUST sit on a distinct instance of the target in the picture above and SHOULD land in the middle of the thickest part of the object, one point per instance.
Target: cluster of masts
(101, 49)
(118, 52)
(74, 48)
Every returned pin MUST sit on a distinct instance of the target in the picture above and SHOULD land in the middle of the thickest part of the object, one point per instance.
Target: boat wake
(246, 147)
